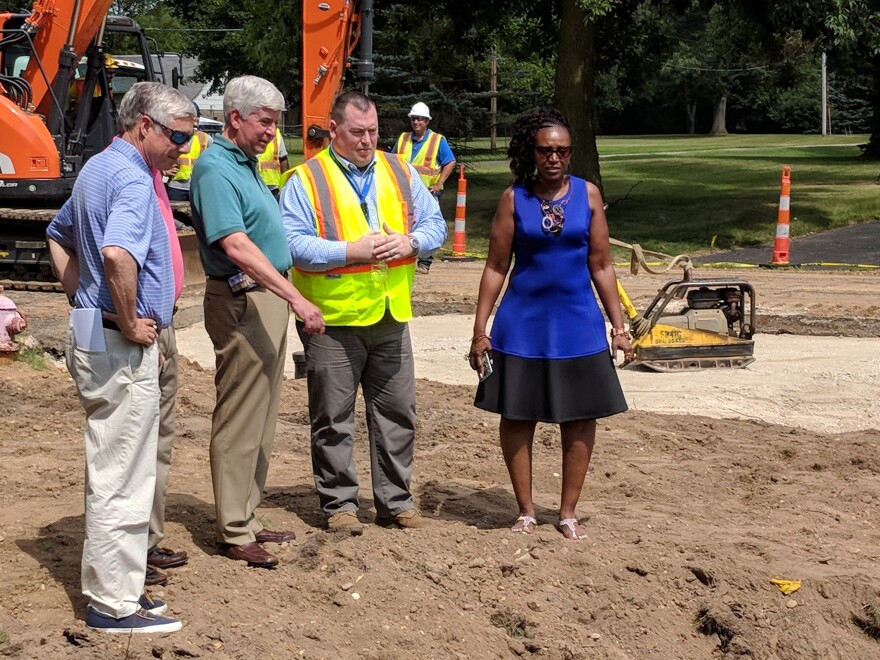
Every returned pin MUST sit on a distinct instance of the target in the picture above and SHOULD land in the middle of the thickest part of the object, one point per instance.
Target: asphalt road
(858, 244)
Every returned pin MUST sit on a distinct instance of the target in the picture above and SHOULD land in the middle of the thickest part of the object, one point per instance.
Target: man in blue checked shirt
(111, 249)
(356, 221)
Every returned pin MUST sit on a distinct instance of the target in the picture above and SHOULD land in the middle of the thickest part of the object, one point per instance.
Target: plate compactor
(695, 324)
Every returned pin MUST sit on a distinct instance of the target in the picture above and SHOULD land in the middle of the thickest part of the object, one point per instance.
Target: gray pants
(249, 333)
(379, 358)
(167, 399)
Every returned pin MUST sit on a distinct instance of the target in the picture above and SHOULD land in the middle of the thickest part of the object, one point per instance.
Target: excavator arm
(331, 32)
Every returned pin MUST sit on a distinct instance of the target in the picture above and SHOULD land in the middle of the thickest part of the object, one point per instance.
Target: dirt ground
(689, 516)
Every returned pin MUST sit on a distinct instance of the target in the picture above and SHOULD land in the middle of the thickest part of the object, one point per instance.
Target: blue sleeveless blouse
(549, 310)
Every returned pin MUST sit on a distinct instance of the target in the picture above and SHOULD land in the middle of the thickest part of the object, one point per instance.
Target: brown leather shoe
(155, 578)
(252, 553)
(165, 558)
(268, 536)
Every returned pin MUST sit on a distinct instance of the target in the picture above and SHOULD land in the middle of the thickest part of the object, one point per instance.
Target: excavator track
(24, 257)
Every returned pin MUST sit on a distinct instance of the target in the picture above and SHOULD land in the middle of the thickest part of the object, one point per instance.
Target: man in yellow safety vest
(273, 162)
(429, 154)
(356, 220)
(180, 174)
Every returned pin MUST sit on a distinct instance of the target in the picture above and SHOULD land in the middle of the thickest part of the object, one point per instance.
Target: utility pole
(824, 94)
(493, 101)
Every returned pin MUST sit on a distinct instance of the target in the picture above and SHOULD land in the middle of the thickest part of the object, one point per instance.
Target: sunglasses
(553, 216)
(177, 137)
(562, 152)
(418, 119)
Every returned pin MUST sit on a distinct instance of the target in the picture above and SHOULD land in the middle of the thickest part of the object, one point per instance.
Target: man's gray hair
(250, 94)
(158, 101)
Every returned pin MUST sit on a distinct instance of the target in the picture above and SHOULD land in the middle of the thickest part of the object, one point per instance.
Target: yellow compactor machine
(695, 324)
(691, 323)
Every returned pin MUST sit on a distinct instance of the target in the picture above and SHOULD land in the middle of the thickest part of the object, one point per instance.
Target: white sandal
(571, 524)
(526, 521)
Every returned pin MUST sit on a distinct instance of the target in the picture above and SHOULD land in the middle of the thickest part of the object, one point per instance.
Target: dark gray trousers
(379, 358)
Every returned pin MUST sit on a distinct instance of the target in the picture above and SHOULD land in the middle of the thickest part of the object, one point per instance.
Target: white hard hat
(420, 110)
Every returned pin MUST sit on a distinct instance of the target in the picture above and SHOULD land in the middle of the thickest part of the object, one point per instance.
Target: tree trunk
(691, 109)
(575, 87)
(719, 117)
(873, 148)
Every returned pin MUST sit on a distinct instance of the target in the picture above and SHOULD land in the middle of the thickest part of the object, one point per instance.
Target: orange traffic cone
(459, 235)
(780, 246)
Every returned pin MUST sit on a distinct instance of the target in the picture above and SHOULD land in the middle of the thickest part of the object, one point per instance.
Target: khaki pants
(119, 389)
(167, 399)
(249, 333)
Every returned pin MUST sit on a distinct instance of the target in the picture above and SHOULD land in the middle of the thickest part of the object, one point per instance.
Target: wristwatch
(414, 244)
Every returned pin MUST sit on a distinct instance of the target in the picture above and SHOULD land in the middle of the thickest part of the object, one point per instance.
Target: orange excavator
(57, 109)
(57, 106)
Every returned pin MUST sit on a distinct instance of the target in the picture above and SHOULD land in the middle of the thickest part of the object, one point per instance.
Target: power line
(698, 68)
(150, 29)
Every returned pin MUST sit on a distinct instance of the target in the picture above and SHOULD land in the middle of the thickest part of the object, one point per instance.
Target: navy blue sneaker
(152, 605)
(141, 621)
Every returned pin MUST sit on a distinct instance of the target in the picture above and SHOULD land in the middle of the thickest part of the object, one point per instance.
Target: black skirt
(528, 389)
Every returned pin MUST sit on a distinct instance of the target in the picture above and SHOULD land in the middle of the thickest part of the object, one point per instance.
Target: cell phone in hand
(485, 366)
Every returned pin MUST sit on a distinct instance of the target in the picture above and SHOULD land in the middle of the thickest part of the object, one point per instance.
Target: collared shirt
(444, 153)
(113, 204)
(311, 252)
(228, 196)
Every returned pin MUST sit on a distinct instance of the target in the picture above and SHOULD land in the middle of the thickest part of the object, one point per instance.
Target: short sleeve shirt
(113, 203)
(228, 196)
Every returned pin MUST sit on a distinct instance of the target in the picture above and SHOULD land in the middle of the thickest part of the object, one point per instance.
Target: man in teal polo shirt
(248, 299)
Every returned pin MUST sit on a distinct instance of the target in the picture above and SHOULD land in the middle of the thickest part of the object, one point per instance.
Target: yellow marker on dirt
(786, 586)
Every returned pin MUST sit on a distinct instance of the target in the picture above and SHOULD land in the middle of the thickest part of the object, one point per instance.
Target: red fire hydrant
(12, 322)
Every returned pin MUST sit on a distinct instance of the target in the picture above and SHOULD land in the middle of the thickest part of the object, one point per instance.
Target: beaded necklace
(553, 211)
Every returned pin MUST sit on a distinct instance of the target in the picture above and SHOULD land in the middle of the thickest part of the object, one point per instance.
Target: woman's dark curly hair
(522, 143)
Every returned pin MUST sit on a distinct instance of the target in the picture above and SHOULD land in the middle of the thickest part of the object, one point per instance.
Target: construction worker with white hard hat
(429, 154)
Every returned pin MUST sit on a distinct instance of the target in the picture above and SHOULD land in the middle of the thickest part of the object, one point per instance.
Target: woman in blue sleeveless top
(550, 355)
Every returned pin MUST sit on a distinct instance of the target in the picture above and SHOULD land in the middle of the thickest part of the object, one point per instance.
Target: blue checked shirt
(114, 204)
(313, 253)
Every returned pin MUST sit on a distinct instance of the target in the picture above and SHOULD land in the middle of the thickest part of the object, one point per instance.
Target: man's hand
(144, 332)
(436, 188)
(362, 250)
(393, 246)
(172, 171)
(312, 318)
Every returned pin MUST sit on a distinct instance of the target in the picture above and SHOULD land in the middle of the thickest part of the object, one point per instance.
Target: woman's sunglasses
(562, 152)
(177, 137)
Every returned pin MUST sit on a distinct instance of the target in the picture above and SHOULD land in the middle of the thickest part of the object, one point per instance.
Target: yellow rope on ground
(638, 260)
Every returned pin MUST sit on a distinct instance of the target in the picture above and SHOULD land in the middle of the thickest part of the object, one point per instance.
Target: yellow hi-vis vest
(185, 162)
(357, 294)
(269, 164)
(425, 161)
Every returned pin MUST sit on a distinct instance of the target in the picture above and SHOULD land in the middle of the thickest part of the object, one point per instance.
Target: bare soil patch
(689, 517)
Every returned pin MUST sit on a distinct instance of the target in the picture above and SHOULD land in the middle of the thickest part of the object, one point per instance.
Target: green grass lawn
(687, 194)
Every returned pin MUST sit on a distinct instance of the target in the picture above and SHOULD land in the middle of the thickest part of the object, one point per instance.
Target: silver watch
(414, 244)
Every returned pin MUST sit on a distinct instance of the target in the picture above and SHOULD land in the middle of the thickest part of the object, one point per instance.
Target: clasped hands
(376, 247)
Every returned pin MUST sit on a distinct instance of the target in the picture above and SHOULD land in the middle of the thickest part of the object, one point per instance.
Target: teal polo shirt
(228, 196)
